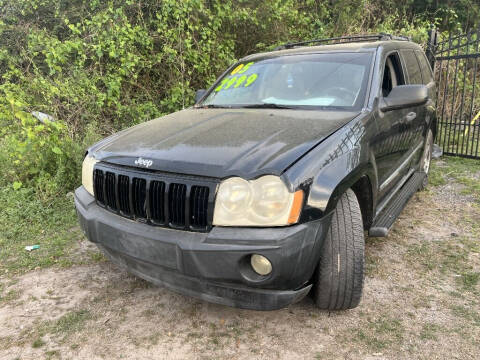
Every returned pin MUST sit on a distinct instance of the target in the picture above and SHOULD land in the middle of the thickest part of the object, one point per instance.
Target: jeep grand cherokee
(261, 192)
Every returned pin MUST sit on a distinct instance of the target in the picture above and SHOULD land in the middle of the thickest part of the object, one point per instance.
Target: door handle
(410, 116)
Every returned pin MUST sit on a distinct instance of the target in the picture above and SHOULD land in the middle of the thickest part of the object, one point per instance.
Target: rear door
(417, 115)
(429, 82)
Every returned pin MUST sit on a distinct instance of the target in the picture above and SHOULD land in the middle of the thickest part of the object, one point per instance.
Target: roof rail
(344, 39)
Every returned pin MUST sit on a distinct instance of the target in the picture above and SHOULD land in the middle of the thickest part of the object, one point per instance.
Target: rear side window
(413, 69)
(424, 66)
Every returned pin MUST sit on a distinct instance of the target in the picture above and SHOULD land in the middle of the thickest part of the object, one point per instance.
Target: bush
(100, 66)
(38, 153)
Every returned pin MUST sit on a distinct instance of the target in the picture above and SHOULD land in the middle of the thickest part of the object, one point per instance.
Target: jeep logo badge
(144, 162)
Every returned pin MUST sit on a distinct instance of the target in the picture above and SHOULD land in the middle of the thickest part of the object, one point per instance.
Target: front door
(395, 135)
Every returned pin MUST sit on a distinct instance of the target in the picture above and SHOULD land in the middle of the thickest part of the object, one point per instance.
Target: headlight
(265, 201)
(87, 173)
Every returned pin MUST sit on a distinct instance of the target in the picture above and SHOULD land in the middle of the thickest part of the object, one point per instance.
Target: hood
(221, 142)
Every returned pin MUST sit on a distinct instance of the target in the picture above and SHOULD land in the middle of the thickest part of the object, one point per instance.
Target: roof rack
(344, 39)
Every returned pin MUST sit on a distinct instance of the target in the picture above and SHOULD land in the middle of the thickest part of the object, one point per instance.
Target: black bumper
(213, 266)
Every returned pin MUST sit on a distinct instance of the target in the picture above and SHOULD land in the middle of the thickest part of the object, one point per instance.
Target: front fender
(334, 166)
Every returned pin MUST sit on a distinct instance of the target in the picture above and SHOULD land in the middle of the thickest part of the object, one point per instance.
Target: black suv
(260, 193)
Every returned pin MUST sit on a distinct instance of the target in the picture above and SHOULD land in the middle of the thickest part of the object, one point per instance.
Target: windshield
(333, 80)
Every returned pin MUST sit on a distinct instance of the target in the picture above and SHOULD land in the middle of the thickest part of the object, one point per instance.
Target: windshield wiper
(212, 106)
(267, 106)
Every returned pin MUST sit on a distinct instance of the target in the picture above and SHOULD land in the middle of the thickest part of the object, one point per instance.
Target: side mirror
(404, 96)
(199, 94)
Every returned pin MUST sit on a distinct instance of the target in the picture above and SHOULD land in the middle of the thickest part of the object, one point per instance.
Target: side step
(389, 214)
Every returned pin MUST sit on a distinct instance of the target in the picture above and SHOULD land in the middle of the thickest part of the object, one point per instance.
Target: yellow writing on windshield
(236, 82)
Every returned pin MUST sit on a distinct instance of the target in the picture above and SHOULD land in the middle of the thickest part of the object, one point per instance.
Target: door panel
(392, 145)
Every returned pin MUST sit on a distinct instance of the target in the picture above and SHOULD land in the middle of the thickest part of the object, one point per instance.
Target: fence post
(432, 45)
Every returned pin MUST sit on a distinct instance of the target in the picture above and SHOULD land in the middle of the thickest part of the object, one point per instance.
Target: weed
(51, 354)
(380, 333)
(466, 313)
(38, 343)
(97, 256)
(71, 322)
(27, 220)
(470, 280)
(463, 171)
(429, 331)
(11, 295)
(447, 257)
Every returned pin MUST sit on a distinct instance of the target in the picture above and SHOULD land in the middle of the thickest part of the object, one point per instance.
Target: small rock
(437, 151)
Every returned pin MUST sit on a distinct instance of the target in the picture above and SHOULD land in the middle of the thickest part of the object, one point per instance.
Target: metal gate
(454, 60)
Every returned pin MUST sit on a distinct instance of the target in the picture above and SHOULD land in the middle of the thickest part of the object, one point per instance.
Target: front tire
(339, 280)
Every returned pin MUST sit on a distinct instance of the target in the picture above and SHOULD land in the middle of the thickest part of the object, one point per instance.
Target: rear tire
(339, 280)
(426, 159)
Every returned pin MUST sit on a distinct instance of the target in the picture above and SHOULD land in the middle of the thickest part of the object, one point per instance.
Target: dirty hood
(221, 142)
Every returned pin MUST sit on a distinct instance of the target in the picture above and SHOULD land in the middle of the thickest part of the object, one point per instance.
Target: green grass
(448, 257)
(460, 170)
(8, 296)
(50, 354)
(71, 322)
(68, 324)
(430, 331)
(467, 313)
(381, 333)
(27, 220)
(38, 343)
(470, 280)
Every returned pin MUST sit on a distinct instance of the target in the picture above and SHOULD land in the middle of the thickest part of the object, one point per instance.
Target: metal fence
(454, 61)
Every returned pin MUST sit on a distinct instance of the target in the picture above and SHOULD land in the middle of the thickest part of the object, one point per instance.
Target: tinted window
(413, 69)
(392, 74)
(316, 80)
(424, 66)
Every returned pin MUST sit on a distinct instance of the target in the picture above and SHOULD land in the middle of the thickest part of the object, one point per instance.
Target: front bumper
(212, 266)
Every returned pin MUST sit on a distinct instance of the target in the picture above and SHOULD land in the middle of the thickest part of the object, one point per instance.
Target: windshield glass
(333, 80)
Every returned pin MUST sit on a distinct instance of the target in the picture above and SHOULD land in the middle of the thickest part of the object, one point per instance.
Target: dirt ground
(421, 300)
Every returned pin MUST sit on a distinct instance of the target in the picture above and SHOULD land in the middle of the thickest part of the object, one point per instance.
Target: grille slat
(110, 199)
(199, 206)
(176, 203)
(98, 185)
(170, 203)
(123, 194)
(157, 192)
(139, 197)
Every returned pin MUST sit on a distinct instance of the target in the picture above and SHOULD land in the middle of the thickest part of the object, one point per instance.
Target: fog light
(261, 264)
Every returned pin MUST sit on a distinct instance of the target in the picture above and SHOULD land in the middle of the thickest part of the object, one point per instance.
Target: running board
(389, 214)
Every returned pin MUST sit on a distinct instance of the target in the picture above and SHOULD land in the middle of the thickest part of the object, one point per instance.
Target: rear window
(424, 67)
(413, 69)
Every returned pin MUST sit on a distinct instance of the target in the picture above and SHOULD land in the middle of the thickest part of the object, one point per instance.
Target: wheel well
(363, 190)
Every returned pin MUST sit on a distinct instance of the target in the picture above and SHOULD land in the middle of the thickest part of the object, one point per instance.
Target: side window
(392, 74)
(427, 75)
(413, 69)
